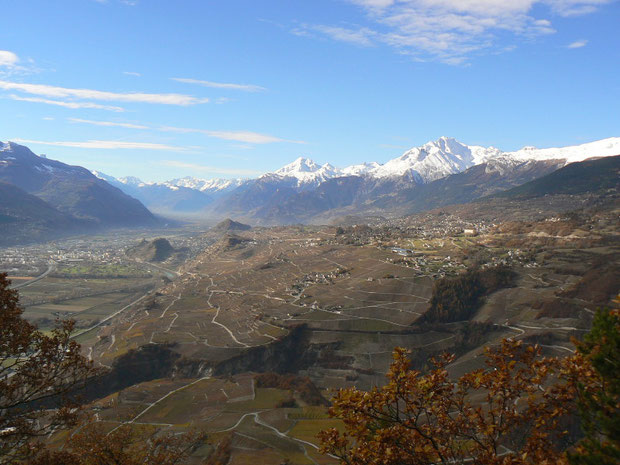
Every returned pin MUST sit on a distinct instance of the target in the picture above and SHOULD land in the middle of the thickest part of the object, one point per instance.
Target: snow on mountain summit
(301, 165)
(429, 162)
(306, 171)
(600, 148)
(363, 169)
(205, 185)
(131, 181)
(440, 158)
(436, 159)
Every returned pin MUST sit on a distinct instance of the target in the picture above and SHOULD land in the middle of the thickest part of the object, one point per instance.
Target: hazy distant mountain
(72, 190)
(211, 187)
(183, 195)
(230, 225)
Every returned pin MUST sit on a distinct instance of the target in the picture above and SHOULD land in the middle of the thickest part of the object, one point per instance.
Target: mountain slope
(157, 250)
(70, 189)
(597, 175)
(25, 217)
(473, 183)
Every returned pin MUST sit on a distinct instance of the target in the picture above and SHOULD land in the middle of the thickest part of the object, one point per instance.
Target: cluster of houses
(316, 278)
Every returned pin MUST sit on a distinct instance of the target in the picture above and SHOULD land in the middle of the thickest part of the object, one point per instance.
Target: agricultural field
(253, 416)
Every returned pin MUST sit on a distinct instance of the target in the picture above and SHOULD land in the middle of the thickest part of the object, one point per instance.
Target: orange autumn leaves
(516, 411)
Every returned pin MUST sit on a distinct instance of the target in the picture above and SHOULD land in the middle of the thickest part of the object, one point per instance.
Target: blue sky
(233, 88)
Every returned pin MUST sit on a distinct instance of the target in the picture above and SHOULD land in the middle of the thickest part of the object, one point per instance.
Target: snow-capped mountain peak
(206, 185)
(436, 159)
(131, 181)
(572, 154)
(103, 176)
(363, 169)
(440, 158)
(301, 165)
(306, 172)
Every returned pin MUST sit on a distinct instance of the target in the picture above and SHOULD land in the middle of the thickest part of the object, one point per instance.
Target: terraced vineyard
(307, 301)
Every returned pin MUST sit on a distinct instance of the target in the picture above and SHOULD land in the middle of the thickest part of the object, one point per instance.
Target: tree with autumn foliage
(127, 445)
(599, 393)
(39, 376)
(511, 413)
(514, 412)
(37, 371)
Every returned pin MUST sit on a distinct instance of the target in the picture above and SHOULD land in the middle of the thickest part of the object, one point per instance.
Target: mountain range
(40, 198)
(438, 173)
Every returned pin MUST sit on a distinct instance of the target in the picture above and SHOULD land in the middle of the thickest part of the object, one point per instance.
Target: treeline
(457, 299)
(306, 389)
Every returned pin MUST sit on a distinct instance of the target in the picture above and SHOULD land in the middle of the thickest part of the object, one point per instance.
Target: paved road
(50, 267)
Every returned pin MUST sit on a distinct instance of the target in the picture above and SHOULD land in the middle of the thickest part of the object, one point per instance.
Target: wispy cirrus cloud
(61, 103)
(45, 90)
(132, 73)
(210, 169)
(221, 85)
(451, 31)
(361, 36)
(578, 44)
(247, 137)
(237, 136)
(105, 144)
(108, 123)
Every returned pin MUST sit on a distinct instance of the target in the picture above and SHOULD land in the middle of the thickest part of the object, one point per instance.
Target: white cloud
(362, 36)
(132, 73)
(238, 136)
(8, 59)
(108, 123)
(575, 7)
(451, 31)
(578, 44)
(246, 137)
(249, 137)
(210, 169)
(73, 105)
(89, 94)
(221, 85)
(105, 144)
(11, 64)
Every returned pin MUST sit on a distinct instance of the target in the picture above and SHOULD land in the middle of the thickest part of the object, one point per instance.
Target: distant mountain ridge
(71, 198)
(175, 196)
(438, 159)
(71, 189)
(440, 172)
